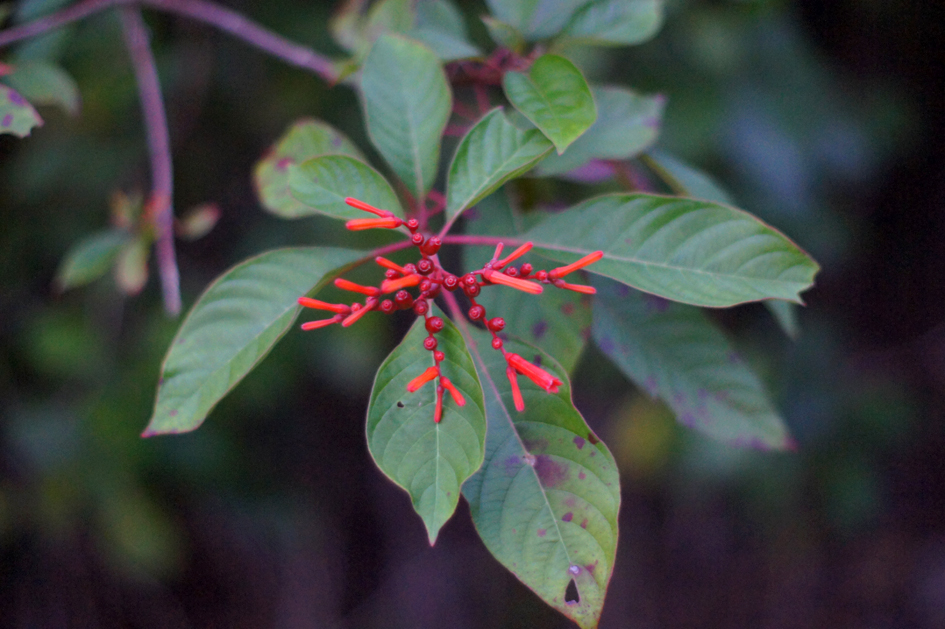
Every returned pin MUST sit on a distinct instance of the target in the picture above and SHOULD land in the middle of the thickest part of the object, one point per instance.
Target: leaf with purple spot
(545, 506)
(17, 117)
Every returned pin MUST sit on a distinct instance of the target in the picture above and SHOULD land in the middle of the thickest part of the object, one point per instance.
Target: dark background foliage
(825, 119)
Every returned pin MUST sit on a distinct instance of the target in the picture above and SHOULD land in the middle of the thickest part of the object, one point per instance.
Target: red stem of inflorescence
(432, 280)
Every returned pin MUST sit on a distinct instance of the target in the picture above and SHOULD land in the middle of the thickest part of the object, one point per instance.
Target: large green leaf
(493, 152)
(440, 26)
(546, 499)
(90, 258)
(673, 351)
(233, 326)
(535, 19)
(686, 250)
(555, 97)
(17, 117)
(430, 460)
(303, 140)
(322, 183)
(626, 125)
(44, 83)
(616, 22)
(407, 102)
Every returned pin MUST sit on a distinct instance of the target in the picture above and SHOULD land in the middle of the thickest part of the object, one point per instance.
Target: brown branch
(204, 11)
(160, 205)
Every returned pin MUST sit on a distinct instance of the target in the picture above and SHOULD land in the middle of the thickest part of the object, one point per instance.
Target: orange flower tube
(534, 373)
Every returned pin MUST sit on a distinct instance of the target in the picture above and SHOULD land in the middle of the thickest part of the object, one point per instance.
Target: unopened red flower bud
(525, 270)
(403, 299)
(429, 343)
(496, 343)
(410, 269)
(471, 290)
(424, 266)
(476, 313)
(434, 325)
(439, 356)
(417, 239)
(431, 246)
(387, 306)
(450, 282)
(420, 308)
(469, 279)
(413, 224)
(511, 271)
(541, 276)
(497, 324)
(433, 291)
(391, 274)
(425, 286)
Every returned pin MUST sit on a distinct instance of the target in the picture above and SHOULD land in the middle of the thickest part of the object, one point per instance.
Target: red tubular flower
(516, 392)
(344, 284)
(501, 278)
(360, 312)
(314, 325)
(390, 286)
(308, 302)
(518, 253)
(561, 271)
(534, 373)
(438, 410)
(454, 392)
(422, 379)
(393, 266)
(360, 224)
(361, 205)
(577, 288)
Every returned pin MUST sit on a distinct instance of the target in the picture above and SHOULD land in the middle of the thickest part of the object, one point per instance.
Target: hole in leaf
(400, 404)
(571, 595)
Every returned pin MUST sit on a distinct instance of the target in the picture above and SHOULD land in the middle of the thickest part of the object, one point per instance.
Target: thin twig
(160, 204)
(210, 13)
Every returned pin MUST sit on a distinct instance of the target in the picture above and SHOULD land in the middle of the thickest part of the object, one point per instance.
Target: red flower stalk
(308, 302)
(497, 277)
(438, 410)
(314, 325)
(518, 253)
(389, 286)
(457, 396)
(534, 373)
(422, 379)
(393, 266)
(370, 291)
(361, 205)
(360, 224)
(360, 312)
(516, 392)
(577, 288)
(561, 271)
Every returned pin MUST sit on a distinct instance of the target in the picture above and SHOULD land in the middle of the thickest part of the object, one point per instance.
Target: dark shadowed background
(823, 118)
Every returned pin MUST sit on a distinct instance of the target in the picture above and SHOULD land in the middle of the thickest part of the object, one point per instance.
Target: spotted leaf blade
(407, 103)
(17, 117)
(546, 499)
(685, 250)
(493, 152)
(674, 352)
(555, 97)
(233, 325)
(429, 460)
(301, 141)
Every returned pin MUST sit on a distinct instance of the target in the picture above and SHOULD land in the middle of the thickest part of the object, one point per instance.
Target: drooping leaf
(555, 97)
(430, 460)
(17, 117)
(535, 19)
(626, 125)
(233, 325)
(504, 34)
(301, 141)
(321, 184)
(491, 153)
(90, 258)
(616, 22)
(407, 102)
(131, 265)
(686, 250)
(44, 83)
(558, 321)
(785, 313)
(546, 499)
(440, 26)
(674, 352)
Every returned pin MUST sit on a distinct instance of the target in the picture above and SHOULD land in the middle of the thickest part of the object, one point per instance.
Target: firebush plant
(476, 400)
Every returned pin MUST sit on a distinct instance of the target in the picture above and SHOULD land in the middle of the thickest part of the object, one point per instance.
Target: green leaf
(233, 325)
(346, 25)
(44, 83)
(546, 499)
(390, 16)
(429, 460)
(674, 352)
(785, 313)
(491, 153)
(407, 101)
(131, 266)
(440, 26)
(503, 34)
(17, 117)
(301, 141)
(626, 125)
(90, 258)
(686, 250)
(555, 97)
(535, 19)
(616, 22)
(321, 184)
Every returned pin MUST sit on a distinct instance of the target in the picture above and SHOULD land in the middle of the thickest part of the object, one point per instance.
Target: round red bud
(413, 224)
(496, 343)
(424, 266)
(476, 313)
(526, 269)
(450, 282)
(496, 324)
(425, 286)
(410, 268)
(420, 308)
(471, 290)
(541, 276)
(468, 280)
(403, 299)
(511, 271)
(387, 306)
(429, 343)
(434, 325)
(391, 274)
(416, 239)
(439, 356)
(432, 246)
